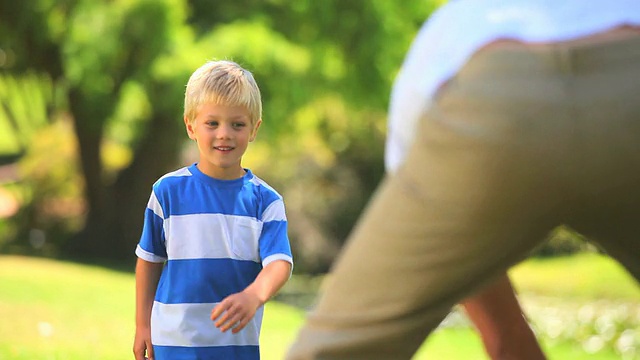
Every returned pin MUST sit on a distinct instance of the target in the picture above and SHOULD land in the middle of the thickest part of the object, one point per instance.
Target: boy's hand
(235, 311)
(142, 344)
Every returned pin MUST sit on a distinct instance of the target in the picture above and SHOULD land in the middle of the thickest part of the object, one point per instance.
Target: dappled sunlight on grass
(587, 300)
(595, 326)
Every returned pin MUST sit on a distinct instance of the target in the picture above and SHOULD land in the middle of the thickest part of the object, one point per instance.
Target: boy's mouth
(223, 148)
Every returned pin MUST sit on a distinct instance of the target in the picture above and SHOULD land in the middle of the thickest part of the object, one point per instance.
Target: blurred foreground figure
(508, 118)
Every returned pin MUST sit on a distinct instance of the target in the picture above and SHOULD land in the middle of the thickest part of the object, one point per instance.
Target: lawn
(64, 311)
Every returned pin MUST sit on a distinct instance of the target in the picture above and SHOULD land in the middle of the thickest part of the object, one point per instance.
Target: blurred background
(91, 99)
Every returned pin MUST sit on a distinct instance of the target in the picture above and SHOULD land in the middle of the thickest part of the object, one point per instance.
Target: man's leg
(401, 272)
(475, 196)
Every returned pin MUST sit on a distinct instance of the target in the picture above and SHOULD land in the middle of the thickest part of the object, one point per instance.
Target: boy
(214, 247)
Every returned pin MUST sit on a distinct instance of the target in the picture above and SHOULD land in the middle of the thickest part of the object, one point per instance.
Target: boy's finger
(233, 321)
(218, 310)
(240, 326)
(150, 354)
(224, 319)
(139, 352)
(215, 313)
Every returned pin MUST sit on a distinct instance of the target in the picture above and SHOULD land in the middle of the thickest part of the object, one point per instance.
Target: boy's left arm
(236, 310)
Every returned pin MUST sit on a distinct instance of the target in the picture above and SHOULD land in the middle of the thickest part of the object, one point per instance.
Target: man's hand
(235, 311)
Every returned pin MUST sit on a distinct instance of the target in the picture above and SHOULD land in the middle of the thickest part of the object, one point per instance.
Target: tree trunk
(88, 128)
(116, 212)
(156, 154)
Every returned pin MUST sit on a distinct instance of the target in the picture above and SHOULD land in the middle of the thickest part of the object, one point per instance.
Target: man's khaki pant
(524, 138)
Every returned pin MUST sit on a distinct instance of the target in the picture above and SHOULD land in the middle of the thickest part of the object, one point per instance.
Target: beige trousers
(524, 138)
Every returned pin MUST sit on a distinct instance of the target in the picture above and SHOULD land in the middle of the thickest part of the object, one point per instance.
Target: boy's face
(222, 134)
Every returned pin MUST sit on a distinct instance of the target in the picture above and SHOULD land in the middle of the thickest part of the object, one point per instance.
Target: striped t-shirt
(215, 236)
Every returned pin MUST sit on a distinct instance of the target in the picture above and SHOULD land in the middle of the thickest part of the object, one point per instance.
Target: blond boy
(214, 247)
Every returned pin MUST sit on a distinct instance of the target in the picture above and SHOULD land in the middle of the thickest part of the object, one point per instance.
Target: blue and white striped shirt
(215, 236)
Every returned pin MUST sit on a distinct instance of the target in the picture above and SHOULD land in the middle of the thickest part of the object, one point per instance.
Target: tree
(333, 106)
(97, 50)
(325, 69)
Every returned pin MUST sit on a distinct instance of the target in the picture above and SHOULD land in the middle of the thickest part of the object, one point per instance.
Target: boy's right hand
(235, 311)
(142, 344)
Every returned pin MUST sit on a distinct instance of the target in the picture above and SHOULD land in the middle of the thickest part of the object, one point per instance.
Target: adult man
(507, 119)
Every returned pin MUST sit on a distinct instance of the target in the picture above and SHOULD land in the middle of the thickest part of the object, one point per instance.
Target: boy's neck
(222, 174)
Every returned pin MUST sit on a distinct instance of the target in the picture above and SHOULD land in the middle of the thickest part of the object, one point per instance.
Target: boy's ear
(189, 126)
(254, 133)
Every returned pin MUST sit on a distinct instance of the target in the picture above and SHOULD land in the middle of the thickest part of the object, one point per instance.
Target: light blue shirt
(459, 28)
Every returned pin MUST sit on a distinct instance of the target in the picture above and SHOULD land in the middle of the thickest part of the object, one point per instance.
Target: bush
(50, 193)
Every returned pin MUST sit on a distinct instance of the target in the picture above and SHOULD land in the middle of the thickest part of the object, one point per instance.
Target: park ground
(582, 306)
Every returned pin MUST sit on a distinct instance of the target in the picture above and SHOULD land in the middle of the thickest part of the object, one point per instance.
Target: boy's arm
(147, 277)
(236, 310)
(497, 315)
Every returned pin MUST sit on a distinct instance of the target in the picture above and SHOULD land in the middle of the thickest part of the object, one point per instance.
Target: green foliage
(26, 104)
(29, 32)
(25, 101)
(325, 69)
(50, 192)
(103, 60)
(130, 117)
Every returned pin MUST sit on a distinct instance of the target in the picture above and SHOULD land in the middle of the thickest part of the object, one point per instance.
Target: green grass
(56, 310)
(568, 286)
(584, 276)
(59, 310)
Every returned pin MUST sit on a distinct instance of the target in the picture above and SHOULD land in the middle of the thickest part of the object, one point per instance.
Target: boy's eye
(235, 125)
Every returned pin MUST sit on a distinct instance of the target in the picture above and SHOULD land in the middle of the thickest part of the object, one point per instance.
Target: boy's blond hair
(222, 82)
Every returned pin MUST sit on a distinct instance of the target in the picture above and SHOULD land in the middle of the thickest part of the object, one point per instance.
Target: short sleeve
(274, 239)
(152, 242)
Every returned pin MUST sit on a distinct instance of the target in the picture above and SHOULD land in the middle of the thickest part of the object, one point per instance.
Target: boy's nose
(224, 132)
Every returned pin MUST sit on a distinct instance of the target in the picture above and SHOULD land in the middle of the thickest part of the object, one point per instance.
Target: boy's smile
(222, 134)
